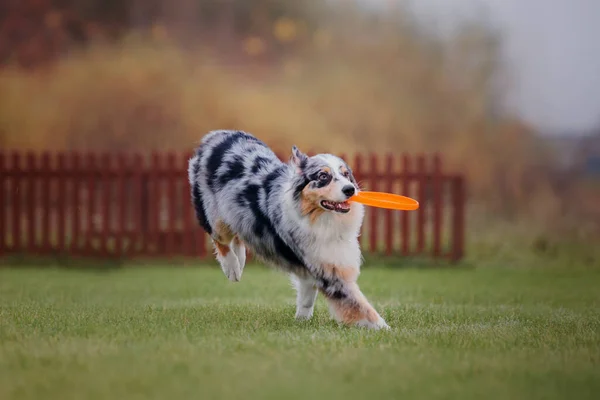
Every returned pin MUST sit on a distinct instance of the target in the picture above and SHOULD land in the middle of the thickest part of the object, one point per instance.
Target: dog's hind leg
(239, 249)
(306, 295)
(228, 261)
(223, 240)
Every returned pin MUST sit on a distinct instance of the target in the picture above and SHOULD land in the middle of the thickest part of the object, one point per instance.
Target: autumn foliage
(157, 75)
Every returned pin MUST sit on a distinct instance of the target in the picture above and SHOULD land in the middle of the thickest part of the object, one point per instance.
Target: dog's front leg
(306, 295)
(346, 302)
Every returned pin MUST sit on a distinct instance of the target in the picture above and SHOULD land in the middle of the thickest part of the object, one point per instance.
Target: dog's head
(323, 184)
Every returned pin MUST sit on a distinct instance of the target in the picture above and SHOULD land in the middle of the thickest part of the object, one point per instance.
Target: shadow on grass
(108, 264)
(415, 262)
(63, 261)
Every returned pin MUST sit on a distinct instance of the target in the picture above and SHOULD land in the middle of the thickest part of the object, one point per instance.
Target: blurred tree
(34, 32)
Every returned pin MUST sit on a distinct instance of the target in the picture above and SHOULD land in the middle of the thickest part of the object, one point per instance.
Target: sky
(552, 49)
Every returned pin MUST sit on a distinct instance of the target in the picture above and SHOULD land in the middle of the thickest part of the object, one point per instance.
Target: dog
(293, 216)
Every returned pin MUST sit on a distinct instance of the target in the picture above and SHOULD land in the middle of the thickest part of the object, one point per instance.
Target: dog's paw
(234, 274)
(230, 266)
(232, 270)
(379, 325)
(383, 325)
(304, 314)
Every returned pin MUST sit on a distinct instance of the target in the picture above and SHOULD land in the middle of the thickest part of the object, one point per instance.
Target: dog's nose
(348, 190)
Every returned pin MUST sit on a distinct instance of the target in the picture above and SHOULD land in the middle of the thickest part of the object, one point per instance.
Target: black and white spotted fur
(293, 216)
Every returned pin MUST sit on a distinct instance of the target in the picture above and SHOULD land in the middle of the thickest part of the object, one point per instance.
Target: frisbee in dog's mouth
(341, 207)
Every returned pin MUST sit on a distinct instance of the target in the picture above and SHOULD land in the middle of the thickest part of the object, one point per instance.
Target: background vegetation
(325, 75)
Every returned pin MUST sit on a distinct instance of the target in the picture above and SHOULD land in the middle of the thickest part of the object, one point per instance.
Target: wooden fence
(129, 205)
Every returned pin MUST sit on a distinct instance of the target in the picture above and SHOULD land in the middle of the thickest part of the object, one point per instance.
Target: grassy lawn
(173, 333)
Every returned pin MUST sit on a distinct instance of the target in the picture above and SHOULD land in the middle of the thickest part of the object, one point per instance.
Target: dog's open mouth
(342, 207)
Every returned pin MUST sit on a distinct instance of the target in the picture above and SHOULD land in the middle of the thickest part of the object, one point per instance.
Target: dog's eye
(346, 174)
(323, 176)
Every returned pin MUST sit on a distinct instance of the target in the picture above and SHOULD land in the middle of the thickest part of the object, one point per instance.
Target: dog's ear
(299, 159)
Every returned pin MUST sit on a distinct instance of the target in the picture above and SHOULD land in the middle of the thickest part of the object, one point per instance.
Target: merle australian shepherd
(293, 216)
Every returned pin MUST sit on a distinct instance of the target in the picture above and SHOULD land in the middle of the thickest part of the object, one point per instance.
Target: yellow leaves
(285, 30)
(254, 46)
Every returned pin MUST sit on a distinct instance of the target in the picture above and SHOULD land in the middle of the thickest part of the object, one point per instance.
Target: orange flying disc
(385, 200)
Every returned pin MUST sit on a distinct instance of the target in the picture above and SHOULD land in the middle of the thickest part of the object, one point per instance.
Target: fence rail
(130, 205)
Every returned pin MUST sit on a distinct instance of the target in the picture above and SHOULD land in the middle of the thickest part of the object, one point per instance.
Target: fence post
(437, 205)
(186, 204)
(357, 171)
(171, 197)
(121, 177)
(140, 206)
(16, 201)
(3, 206)
(389, 216)
(45, 177)
(154, 178)
(61, 200)
(75, 201)
(422, 199)
(105, 172)
(406, 174)
(92, 170)
(146, 204)
(373, 211)
(458, 218)
(30, 175)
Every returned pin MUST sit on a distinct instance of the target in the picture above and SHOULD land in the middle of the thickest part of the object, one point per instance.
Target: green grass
(183, 333)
